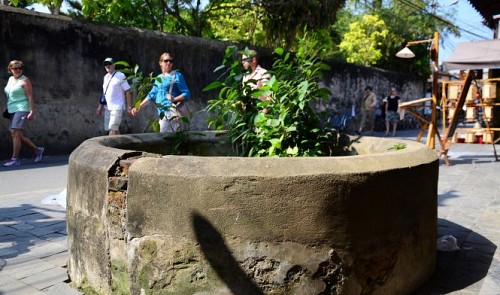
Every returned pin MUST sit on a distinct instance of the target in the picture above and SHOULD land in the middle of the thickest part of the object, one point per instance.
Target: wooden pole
(434, 53)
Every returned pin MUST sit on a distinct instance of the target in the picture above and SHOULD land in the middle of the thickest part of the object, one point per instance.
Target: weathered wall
(63, 58)
(236, 225)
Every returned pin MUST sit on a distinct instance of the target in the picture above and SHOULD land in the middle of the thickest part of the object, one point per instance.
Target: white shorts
(168, 125)
(112, 119)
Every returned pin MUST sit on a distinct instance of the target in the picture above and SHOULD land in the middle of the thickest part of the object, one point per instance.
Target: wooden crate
(488, 113)
(453, 91)
(488, 136)
(470, 137)
(470, 114)
(489, 91)
(471, 94)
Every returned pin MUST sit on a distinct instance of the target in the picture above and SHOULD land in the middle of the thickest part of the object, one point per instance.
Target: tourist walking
(20, 109)
(368, 110)
(392, 112)
(169, 93)
(115, 99)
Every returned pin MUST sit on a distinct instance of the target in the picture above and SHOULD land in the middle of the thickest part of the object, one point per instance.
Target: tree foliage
(238, 23)
(176, 16)
(280, 23)
(54, 6)
(284, 19)
(362, 42)
(406, 21)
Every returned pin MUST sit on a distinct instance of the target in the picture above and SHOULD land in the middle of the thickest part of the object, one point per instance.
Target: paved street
(33, 249)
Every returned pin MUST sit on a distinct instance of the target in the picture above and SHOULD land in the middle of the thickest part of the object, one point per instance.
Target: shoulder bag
(102, 100)
(179, 109)
(6, 114)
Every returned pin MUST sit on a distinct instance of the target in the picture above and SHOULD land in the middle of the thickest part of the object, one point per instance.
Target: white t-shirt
(115, 93)
(260, 75)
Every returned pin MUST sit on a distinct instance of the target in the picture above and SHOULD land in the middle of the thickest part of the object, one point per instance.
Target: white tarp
(475, 55)
(59, 199)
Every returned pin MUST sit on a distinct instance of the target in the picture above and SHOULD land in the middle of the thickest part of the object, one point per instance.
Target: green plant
(397, 147)
(284, 125)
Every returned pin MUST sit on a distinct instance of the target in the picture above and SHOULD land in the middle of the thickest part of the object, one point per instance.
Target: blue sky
(466, 18)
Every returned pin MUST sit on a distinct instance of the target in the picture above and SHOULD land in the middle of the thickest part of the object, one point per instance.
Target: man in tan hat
(368, 110)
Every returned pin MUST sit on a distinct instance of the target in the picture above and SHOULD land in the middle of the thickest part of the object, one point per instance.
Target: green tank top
(17, 101)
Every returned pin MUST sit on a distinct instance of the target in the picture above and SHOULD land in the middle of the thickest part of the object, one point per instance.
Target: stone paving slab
(29, 267)
(5, 279)
(47, 278)
(491, 284)
(62, 289)
(19, 288)
(59, 259)
(47, 249)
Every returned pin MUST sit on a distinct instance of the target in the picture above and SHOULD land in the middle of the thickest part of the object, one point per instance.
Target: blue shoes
(13, 162)
(39, 154)
(17, 161)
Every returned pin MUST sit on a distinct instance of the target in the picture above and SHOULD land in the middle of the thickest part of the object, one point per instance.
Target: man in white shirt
(115, 89)
(257, 75)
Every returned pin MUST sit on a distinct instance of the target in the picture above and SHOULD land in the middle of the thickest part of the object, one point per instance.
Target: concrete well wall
(362, 224)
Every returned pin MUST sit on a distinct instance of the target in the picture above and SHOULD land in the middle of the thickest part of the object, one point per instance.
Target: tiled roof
(488, 9)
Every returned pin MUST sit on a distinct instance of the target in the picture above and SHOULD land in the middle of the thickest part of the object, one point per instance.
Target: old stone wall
(63, 58)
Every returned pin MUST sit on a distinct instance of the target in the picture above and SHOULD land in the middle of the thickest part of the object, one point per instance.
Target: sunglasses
(168, 60)
(248, 59)
(107, 64)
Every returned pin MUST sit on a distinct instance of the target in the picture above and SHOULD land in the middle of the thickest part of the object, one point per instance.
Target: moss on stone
(148, 250)
(120, 278)
(86, 288)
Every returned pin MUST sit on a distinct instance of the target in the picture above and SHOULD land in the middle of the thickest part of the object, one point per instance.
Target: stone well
(140, 222)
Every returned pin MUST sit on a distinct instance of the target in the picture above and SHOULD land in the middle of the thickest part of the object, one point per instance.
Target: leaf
(122, 63)
(292, 151)
(213, 85)
(260, 93)
(259, 118)
(221, 67)
(275, 142)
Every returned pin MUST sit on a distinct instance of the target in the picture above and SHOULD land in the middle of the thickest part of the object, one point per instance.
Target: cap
(109, 59)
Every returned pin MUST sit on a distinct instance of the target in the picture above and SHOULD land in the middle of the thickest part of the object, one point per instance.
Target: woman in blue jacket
(169, 93)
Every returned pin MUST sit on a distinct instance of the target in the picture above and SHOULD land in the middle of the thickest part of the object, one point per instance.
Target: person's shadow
(219, 256)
